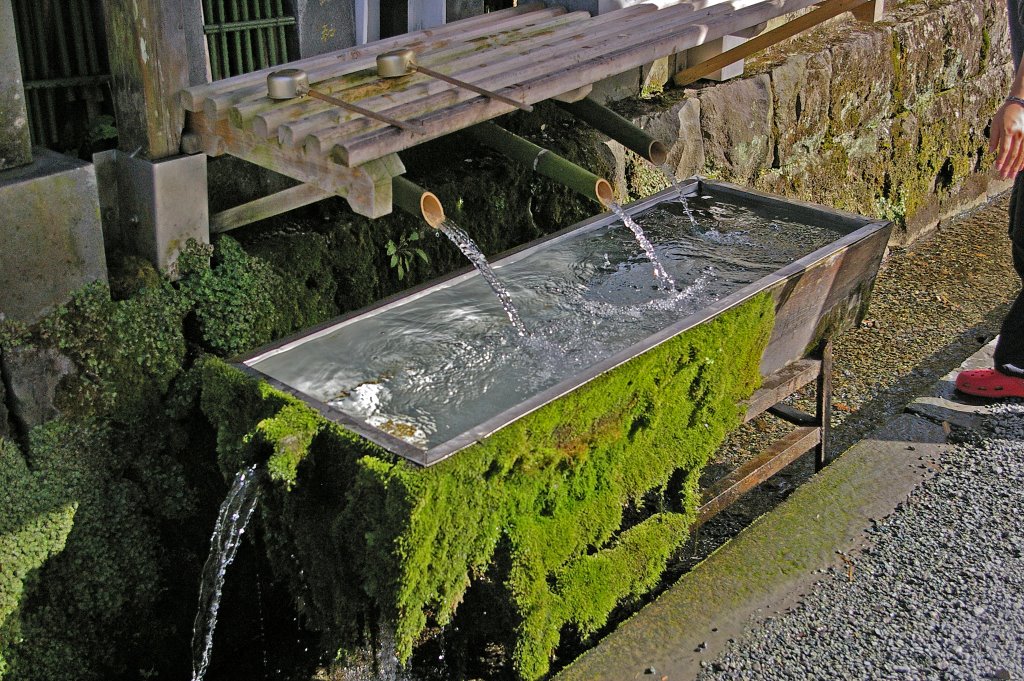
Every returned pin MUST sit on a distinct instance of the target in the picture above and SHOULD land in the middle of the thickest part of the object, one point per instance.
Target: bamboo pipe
(618, 128)
(416, 200)
(545, 162)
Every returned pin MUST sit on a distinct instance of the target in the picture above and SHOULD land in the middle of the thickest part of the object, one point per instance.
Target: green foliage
(127, 352)
(35, 519)
(405, 542)
(403, 254)
(234, 299)
(77, 490)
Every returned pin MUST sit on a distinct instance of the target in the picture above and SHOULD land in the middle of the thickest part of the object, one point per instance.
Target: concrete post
(51, 233)
(15, 136)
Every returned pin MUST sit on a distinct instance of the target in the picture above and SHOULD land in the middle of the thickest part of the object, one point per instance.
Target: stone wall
(886, 119)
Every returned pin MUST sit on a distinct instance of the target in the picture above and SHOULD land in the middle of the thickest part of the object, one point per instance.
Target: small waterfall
(471, 251)
(659, 270)
(674, 181)
(235, 513)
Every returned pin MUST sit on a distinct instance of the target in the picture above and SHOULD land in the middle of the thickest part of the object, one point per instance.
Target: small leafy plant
(404, 253)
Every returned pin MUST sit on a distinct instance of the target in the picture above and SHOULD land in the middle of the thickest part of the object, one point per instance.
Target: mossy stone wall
(887, 119)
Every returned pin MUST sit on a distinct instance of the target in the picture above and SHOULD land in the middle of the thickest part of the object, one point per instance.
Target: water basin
(439, 368)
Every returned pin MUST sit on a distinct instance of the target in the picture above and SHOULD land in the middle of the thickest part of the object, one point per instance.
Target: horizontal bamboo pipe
(618, 128)
(416, 200)
(545, 162)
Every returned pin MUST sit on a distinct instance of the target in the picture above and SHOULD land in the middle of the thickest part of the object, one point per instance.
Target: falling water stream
(471, 251)
(680, 191)
(659, 270)
(235, 513)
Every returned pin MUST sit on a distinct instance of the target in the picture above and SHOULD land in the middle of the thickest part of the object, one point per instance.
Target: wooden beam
(780, 385)
(755, 471)
(147, 52)
(826, 11)
(267, 207)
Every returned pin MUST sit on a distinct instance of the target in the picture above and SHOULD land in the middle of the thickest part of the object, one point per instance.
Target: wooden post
(823, 411)
(147, 46)
(870, 12)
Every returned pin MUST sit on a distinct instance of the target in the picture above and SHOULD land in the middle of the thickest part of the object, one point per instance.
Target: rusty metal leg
(824, 404)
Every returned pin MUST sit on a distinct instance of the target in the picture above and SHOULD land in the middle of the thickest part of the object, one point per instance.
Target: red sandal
(989, 383)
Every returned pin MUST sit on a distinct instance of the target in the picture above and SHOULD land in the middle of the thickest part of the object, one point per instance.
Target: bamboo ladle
(291, 83)
(402, 62)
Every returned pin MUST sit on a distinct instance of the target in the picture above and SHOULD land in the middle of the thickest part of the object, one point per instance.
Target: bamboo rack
(528, 53)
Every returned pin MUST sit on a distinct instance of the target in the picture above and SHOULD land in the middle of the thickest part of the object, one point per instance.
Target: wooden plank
(826, 11)
(266, 207)
(367, 188)
(588, 63)
(192, 99)
(146, 51)
(780, 385)
(752, 473)
(265, 115)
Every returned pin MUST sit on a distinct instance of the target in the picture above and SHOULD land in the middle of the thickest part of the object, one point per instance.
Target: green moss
(379, 539)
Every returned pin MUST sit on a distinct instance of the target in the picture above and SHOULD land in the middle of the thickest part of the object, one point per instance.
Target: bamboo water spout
(618, 128)
(417, 201)
(545, 162)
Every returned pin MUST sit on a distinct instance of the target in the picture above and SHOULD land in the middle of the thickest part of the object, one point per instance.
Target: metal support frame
(811, 431)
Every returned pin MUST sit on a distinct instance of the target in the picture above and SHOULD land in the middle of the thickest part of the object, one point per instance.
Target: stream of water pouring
(659, 270)
(235, 513)
(471, 251)
(674, 181)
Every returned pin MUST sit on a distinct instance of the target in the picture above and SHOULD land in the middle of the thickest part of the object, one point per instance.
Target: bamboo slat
(368, 89)
(588, 63)
(194, 98)
(605, 33)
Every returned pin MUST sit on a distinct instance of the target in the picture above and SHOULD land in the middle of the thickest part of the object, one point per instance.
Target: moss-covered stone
(364, 536)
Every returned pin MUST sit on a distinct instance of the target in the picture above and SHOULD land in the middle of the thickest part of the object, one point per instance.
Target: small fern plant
(404, 253)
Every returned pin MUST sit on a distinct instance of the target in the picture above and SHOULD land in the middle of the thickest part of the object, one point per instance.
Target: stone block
(151, 208)
(679, 129)
(800, 87)
(863, 74)
(53, 241)
(618, 87)
(738, 140)
(15, 137)
(34, 376)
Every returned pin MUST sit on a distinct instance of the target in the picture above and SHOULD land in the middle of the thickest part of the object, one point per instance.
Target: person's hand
(1007, 139)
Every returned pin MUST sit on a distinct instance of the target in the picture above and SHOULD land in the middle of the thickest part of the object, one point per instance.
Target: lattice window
(65, 72)
(246, 35)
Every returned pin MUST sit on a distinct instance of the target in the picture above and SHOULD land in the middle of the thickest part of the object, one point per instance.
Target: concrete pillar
(53, 242)
(15, 136)
(151, 208)
(696, 55)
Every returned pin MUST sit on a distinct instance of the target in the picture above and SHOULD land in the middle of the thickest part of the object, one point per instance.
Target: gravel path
(938, 593)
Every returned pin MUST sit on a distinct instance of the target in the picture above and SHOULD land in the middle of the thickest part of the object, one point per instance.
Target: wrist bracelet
(1015, 100)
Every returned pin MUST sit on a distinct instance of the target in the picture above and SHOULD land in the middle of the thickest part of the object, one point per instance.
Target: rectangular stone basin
(815, 296)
